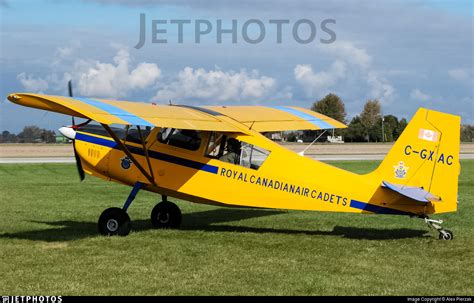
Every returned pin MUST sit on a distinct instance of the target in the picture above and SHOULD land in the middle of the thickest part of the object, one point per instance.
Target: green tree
(370, 116)
(355, 132)
(292, 137)
(30, 134)
(375, 132)
(48, 136)
(467, 133)
(7, 137)
(401, 127)
(390, 125)
(332, 106)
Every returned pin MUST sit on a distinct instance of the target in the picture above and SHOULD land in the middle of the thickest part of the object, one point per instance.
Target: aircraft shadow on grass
(204, 221)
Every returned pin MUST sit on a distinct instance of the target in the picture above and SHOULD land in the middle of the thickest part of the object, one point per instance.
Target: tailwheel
(446, 234)
(166, 215)
(114, 221)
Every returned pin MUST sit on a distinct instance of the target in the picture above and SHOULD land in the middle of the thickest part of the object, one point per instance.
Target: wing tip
(14, 97)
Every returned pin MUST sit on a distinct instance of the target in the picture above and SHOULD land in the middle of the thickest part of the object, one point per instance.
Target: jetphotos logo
(428, 135)
(31, 299)
(251, 31)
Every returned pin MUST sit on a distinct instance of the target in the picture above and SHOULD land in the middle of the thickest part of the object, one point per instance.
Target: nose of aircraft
(68, 132)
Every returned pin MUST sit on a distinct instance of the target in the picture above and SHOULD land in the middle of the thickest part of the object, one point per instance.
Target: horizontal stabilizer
(412, 192)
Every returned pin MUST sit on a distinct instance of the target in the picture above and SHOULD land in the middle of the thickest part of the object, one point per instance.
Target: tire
(166, 215)
(114, 221)
(446, 235)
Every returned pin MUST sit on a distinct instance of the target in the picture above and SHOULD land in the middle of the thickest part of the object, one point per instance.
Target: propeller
(80, 170)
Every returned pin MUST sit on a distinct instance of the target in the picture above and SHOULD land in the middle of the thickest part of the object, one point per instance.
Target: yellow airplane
(218, 155)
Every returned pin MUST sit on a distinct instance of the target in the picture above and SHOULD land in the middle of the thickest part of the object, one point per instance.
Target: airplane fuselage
(285, 180)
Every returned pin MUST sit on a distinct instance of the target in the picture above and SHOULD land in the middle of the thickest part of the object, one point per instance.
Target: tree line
(370, 125)
(29, 134)
(365, 127)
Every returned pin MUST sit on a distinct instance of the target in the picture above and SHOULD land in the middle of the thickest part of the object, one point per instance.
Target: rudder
(426, 155)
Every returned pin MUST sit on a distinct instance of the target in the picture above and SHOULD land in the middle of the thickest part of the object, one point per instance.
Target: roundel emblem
(125, 162)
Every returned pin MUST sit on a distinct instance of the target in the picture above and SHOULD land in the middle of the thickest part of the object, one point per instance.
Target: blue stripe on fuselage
(312, 119)
(377, 209)
(95, 140)
(153, 154)
(118, 112)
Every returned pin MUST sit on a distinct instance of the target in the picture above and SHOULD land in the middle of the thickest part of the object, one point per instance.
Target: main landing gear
(115, 221)
(444, 234)
(166, 215)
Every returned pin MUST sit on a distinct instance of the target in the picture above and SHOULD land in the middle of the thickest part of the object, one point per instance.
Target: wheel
(446, 235)
(166, 215)
(114, 221)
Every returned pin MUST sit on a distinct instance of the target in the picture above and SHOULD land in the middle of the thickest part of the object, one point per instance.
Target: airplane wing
(278, 118)
(258, 118)
(128, 113)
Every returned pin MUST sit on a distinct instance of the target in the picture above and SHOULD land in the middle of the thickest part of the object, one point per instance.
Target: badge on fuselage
(125, 162)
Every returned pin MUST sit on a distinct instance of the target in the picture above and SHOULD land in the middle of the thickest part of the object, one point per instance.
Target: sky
(406, 53)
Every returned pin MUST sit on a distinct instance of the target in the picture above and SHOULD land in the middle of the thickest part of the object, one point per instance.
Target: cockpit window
(183, 138)
(231, 150)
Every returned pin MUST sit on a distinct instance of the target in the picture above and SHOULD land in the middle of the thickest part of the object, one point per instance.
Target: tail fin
(427, 155)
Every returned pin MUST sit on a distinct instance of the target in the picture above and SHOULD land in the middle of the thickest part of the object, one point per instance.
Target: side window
(134, 136)
(182, 138)
(231, 150)
(252, 156)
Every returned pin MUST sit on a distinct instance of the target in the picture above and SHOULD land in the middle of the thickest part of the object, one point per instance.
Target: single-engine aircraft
(219, 155)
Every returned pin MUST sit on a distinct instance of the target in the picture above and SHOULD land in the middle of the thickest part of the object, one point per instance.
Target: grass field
(49, 245)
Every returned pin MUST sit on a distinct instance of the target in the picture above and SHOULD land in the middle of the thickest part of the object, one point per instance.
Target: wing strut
(146, 152)
(129, 154)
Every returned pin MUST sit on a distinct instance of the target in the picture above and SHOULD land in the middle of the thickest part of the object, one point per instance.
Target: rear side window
(252, 156)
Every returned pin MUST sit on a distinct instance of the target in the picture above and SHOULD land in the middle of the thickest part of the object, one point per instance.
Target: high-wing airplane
(219, 155)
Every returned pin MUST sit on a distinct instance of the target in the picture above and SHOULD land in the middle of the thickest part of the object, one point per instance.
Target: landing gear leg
(166, 215)
(444, 234)
(115, 221)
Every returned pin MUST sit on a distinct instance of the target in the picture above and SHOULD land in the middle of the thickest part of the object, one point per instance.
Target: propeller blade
(80, 170)
(69, 86)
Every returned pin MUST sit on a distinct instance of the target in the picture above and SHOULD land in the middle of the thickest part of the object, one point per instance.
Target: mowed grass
(49, 245)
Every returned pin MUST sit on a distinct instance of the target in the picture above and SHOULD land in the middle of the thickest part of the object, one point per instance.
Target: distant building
(276, 137)
(335, 139)
(323, 136)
